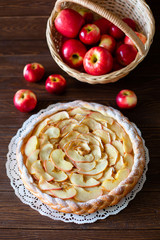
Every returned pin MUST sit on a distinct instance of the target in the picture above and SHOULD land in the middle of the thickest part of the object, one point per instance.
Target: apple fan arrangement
(99, 42)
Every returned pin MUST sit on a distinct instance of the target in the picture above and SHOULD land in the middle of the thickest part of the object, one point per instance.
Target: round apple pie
(80, 157)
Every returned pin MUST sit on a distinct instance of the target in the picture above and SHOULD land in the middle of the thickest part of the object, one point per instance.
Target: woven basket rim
(109, 77)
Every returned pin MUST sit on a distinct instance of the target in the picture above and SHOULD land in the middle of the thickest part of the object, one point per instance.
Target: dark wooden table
(22, 40)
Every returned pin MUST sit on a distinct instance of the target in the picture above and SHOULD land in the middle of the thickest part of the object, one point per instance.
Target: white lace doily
(28, 198)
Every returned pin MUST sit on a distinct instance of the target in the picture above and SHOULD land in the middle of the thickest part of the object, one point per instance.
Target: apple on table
(126, 99)
(25, 100)
(33, 72)
(55, 83)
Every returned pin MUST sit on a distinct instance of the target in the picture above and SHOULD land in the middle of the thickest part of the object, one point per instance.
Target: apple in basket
(33, 72)
(103, 25)
(25, 100)
(68, 22)
(86, 14)
(126, 99)
(55, 83)
(89, 34)
(130, 22)
(115, 32)
(125, 54)
(107, 42)
(73, 52)
(98, 61)
(141, 36)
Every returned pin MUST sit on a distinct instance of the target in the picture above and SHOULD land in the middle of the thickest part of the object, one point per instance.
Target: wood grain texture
(22, 40)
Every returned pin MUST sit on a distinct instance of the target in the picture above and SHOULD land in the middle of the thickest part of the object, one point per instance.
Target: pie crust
(80, 157)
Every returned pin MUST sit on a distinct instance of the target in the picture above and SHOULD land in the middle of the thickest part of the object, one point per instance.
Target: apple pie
(80, 157)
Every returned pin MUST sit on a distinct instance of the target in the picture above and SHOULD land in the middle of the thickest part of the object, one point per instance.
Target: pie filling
(78, 154)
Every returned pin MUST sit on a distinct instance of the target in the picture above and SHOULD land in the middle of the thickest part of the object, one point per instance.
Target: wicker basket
(114, 11)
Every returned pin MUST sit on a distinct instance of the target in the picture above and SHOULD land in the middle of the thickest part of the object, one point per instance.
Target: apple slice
(96, 151)
(109, 184)
(101, 165)
(85, 167)
(40, 127)
(79, 117)
(116, 127)
(104, 136)
(108, 174)
(112, 134)
(119, 146)
(119, 164)
(81, 128)
(59, 176)
(76, 157)
(112, 153)
(68, 128)
(43, 139)
(53, 141)
(31, 159)
(127, 145)
(65, 122)
(129, 161)
(122, 174)
(44, 185)
(79, 110)
(89, 138)
(84, 196)
(57, 157)
(64, 193)
(92, 124)
(38, 171)
(79, 181)
(101, 118)
(52, 132)
(69, 137)
(31, 145)
(59, 116)
(45, 152)
(97, 177)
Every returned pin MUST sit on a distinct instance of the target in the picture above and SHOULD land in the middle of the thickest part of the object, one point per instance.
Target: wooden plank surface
(22, 40)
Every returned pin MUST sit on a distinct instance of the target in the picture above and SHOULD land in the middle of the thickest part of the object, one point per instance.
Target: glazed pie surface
(81, 157)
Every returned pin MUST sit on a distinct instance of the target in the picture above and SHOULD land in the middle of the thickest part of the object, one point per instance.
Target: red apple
(98, 61)
(73, 52)
(107, 42)
(103, 25)
(116, 65)
(115, 32)
(126, 99)
(125, 54)
(89, 34)
(130, 22)
(33, 72)
(86, 14)
(55, 83)
(68, 22)
(141, 36)
(25, 100)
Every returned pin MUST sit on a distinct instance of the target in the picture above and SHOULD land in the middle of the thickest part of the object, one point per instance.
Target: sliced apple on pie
(31, 145)
(79, 181)
(57, 157)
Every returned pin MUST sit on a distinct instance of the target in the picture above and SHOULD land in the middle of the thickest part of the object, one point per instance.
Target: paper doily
(28, 198)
